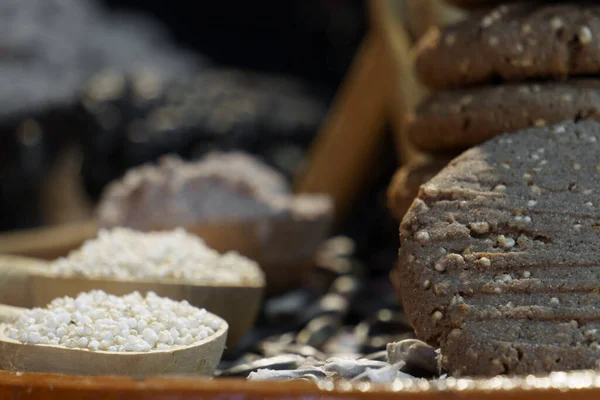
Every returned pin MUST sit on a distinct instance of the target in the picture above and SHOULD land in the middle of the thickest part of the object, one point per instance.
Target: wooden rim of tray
(586, 385)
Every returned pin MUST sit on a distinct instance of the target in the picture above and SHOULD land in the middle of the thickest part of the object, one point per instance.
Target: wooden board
(350, 141)
(404, 91)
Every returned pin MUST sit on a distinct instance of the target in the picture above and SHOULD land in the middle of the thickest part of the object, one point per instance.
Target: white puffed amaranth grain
(98, 321)
(124, 254)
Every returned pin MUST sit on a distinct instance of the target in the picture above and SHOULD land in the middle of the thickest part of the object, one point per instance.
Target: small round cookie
(512, 42)
(458, 119)
(498, 262)
(406, 181)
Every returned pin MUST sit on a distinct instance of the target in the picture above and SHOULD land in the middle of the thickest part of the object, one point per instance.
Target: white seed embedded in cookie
(422, 236)
(440, 266)
(504, 242)
(480, 227)
(484, 262)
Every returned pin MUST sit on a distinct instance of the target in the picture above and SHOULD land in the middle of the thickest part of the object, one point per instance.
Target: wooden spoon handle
(9, 313)
(47, 243)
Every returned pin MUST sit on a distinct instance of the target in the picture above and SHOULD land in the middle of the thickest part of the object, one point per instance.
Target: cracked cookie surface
(513, 42)
(457, 119)
(500, 254)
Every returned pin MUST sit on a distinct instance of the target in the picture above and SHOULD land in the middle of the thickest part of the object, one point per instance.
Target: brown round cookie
(499, 254)
(512, 43)
(406, 181)
(458, 119)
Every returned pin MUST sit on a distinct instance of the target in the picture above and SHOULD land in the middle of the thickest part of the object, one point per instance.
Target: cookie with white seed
(499, 254)
(513, 42)
(457, 119)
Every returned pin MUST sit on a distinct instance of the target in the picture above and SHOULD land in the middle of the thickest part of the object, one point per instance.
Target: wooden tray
(582, 385)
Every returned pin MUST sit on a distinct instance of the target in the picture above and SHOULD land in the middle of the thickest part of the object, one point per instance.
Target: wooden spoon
(283, 246)
(47, 242)
(25, 283)
(9, 313)
(200, 358)
(237, 304)
(14, 279)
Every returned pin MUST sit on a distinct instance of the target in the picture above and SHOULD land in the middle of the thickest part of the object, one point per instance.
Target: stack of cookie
(508, 67)
(498, 263)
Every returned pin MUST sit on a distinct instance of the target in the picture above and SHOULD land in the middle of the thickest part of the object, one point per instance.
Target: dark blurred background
(91, 88)
(251, 76)
(314, 39)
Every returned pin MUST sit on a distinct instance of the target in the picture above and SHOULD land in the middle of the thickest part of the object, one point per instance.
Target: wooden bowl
(237, 304)
(200, 358)
(283, 247)
(24, 283)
